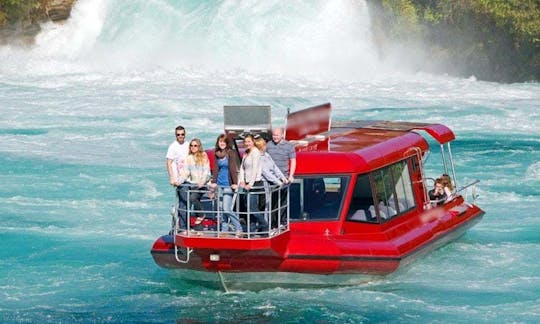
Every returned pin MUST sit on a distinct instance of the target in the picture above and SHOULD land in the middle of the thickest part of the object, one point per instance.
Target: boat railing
(469, 189)
(212, 221)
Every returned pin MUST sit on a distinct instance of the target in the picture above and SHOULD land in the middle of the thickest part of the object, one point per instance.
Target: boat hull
(276, 264)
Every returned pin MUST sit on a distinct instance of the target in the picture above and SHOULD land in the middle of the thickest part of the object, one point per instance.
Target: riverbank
(493, 40)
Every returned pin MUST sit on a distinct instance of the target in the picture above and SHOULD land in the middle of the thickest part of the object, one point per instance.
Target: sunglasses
(193, 145)
(180, 134)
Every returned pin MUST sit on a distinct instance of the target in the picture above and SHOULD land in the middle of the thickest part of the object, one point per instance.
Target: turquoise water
(88, 112)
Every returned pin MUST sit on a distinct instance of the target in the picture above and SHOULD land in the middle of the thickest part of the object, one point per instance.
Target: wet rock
(59, 10)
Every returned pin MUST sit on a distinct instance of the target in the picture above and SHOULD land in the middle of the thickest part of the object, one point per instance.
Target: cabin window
(317, 198)
(402, 187)
(393, 190)
(391, 187)
(361, 208)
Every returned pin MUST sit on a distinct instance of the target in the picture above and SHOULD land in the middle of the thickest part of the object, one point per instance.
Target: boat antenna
(286, 118)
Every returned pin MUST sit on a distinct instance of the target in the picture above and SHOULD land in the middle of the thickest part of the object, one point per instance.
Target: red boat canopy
(308, 122)
(314, 121)
(354, 146)
(356, 151)
(440, 133)
(337, 147)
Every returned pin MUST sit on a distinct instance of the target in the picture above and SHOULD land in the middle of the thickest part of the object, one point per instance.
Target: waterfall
(313, 38)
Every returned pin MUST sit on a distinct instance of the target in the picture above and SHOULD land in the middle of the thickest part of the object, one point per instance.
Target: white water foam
(324, 39)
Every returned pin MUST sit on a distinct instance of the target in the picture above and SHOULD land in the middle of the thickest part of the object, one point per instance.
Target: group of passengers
(262, 165)
(442, 191)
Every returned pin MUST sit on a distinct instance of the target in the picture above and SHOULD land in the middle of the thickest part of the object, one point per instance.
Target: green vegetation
(16, 11)
(495, 40)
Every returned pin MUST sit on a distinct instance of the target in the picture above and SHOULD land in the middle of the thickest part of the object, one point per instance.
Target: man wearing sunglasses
(176, 156)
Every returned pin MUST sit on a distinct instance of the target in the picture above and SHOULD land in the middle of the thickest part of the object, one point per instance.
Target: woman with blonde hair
(250, 180)
(448, 186)
(196, 172)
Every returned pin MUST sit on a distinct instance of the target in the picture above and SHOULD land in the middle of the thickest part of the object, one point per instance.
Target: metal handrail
(216, 212)
(175, 232)
(466, 187)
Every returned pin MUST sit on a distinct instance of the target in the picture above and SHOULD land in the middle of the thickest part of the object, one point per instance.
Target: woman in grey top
(250, 179)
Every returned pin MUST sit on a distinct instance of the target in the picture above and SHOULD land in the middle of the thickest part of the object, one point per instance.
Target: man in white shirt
(176, 155)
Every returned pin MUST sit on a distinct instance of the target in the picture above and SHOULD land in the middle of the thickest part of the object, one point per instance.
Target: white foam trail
(533, 171)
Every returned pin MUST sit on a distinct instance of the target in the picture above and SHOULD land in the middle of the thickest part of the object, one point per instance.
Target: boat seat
(360, 215)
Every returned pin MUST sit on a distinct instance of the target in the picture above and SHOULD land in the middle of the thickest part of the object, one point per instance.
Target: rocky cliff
(58, 10)
(20, 19)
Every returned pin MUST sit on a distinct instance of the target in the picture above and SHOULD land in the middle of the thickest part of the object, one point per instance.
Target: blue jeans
(181, 192)
(227, 208)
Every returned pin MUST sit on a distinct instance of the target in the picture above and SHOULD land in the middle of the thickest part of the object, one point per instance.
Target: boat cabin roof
(338, 147)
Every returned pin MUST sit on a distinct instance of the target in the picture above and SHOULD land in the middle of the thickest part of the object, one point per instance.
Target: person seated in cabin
(381, 207)
(400, 205)
(447, 186)
(372, 212)
(437, 196)
(271, 175)
(388, 210)
(196, 173)
(314, 196)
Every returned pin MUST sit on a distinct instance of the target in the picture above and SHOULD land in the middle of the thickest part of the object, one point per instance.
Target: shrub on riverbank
(497, 40)
(15, 11)
(19, 20)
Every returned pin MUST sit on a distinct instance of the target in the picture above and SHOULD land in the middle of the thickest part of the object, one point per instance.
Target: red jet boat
(359, 207)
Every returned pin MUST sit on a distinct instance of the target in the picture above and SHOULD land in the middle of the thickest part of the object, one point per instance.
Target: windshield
(318, 197)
